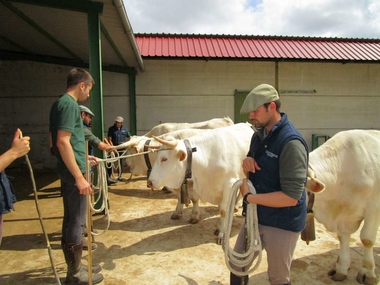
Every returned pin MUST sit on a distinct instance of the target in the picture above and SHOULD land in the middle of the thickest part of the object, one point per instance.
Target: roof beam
(72, 5)
(38, 28)
(20, 47)
(112, 43)
(9, 55)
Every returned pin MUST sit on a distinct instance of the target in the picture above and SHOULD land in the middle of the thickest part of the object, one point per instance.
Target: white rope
(244, 260)
(101, 186)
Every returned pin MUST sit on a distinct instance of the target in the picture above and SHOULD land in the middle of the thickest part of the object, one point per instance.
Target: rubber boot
(76, 272)
(85, 244)
(237, 280)
(96, 268)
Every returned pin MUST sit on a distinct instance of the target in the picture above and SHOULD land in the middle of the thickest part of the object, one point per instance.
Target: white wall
(347, 95)
(193, 91)
(27, 91)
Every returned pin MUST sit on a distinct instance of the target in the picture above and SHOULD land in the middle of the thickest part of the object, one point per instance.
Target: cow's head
(313, 184)
(170, 165)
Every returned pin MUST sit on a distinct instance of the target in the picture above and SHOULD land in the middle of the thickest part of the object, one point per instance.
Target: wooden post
(89, 221)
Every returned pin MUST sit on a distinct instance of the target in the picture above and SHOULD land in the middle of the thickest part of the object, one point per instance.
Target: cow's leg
(195, 216)
(194, 197)
(343, 263)
(366, 274)
(223, 211)
(179, 209)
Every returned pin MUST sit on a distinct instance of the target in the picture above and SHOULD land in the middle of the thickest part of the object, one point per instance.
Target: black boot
(237, 280)
(96, 268)
(77, 273)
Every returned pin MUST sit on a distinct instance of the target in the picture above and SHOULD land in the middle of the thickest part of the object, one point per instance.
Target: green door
(239, 100)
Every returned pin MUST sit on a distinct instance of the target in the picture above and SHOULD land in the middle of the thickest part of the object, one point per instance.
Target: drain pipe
(128, 29)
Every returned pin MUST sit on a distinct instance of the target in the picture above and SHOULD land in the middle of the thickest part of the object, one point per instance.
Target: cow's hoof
(219, 241)
(216, 232)
(336, 276)
(176, 216)
(166, 190)
(364, 279)
(193, 221)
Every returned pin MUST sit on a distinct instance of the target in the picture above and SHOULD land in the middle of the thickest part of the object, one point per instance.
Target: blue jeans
(74, 210)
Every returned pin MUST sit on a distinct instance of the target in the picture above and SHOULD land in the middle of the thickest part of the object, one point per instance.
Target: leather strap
(146, 155)
(189, 151)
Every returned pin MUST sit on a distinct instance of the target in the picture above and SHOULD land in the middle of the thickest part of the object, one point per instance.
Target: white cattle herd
(343, 173)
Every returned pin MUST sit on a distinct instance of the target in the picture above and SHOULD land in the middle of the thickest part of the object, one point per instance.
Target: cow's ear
(181, 155)
(314, 185)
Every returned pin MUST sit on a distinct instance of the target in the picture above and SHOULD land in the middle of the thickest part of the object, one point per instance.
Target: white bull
(138, 165)
(216, 165)
(171, 127)
(344, 173)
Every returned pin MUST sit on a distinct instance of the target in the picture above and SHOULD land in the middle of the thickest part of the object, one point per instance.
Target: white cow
(216, 165)
(138, 165)
(344, 173)
(171, 127)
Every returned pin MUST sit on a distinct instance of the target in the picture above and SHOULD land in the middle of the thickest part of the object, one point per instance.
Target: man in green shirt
(68, 144)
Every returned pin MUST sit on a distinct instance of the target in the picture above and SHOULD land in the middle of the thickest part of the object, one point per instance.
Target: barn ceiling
(56, 32)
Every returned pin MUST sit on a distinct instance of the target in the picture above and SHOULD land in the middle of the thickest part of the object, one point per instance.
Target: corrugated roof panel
(373, 49)
(292, 50)
(359, 50)
(350, 49)
(221, 47)
(259, 47)
(337, 50)
(275, 49)
(261, 52)
(254, 50)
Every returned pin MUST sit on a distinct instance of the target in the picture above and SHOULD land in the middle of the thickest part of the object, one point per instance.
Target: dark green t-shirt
(65, 115)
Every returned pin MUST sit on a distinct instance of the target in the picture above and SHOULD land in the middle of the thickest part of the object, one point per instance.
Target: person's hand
(93, 160)
(83, 186)
(250, 165)
(20, 146)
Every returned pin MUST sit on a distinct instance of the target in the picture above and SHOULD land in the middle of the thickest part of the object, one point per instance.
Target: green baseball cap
(264, 93)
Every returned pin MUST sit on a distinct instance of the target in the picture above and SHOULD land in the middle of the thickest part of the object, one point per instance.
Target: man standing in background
(118, 134)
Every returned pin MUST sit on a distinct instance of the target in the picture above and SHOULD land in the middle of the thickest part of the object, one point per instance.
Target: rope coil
(253, 249)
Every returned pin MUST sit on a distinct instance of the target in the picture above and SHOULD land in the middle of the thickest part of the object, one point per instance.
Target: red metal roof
(257, 47)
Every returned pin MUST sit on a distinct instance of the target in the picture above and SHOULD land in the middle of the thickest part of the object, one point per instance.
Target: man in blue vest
(276, 164)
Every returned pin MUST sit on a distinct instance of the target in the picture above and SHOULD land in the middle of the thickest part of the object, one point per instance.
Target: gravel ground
(142, 244)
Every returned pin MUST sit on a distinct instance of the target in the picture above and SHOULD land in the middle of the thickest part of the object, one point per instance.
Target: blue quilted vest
(267, 154)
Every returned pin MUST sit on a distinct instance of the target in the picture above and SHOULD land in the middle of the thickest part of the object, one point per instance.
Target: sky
(306, 18)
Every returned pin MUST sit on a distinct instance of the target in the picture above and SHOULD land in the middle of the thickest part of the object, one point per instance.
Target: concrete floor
(143, 245)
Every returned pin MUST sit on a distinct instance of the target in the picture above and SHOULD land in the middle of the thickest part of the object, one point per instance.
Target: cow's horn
(127, 144)
(171, 144)
(152, 146)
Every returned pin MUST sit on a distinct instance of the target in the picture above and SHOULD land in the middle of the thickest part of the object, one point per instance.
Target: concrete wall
(27, 91)
(193, 91)
(347, 96)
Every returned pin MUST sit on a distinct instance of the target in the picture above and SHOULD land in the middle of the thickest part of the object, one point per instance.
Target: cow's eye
(164, 159)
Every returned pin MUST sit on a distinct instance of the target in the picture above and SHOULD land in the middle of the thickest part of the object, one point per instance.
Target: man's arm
(20, 147)
(110, 136)
(67, 153)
